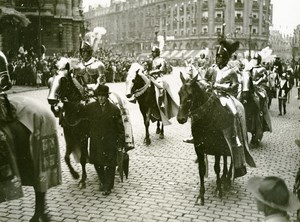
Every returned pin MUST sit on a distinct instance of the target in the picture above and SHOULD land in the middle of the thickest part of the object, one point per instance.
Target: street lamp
(250, 30)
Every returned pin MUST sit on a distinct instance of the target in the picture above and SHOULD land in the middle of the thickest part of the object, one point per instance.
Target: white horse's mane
(73, 62)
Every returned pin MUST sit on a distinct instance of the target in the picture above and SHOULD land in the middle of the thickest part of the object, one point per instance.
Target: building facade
(296, 43)
(281, 44)
(185, 24)
(54, 24)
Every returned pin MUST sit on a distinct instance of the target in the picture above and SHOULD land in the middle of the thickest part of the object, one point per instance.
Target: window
(182, 32)
(204, 29)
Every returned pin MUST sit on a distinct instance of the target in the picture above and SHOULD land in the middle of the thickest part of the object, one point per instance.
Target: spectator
(273, 198)
(106, 136)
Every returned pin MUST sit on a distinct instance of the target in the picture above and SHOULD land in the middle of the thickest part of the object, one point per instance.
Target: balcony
(238, 19)
(218, 19)
(255, 20)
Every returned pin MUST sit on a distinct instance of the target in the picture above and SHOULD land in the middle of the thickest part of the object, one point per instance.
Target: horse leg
(158, 127)
(83, 157)
(147, 139)
(225, 170)
(74, 173)
(39, 213)
(227, 182)
(202, 170)
(69, 148)
(162, 136)
(217, 171)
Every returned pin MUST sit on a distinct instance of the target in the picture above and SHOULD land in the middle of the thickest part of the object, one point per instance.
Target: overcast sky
(286, 13)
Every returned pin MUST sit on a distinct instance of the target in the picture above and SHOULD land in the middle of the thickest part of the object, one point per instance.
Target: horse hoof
(157, 131)
(147, 142)
(40, 218)
(161, 136)
(75, 175)
(82, 185)
(202, 202)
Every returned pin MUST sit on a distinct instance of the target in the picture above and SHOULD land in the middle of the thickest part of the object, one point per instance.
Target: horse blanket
(44, 145)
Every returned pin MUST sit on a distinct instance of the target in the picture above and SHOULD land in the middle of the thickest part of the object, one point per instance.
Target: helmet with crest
(225, 50)
(91, 41)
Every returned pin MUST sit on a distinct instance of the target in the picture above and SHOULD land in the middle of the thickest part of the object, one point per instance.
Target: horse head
(187, 95)
(247, 86)
(5, 83)
(134, 81)
(62, 85)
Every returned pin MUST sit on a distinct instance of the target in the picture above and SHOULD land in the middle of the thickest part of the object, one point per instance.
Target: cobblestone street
(163, 178)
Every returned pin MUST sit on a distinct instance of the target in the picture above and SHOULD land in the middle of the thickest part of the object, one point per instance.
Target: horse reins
(142, 90)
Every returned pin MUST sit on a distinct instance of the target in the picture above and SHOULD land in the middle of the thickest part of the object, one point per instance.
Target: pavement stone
(163, 180)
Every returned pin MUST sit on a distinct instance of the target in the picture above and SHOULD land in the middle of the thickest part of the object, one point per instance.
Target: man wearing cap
(106, 136)
(273, 198)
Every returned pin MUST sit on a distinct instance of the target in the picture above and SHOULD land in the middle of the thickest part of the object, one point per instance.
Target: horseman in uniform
(224, 81)
(259, 78)
(166, 100)
(90, 73)
(90, 70)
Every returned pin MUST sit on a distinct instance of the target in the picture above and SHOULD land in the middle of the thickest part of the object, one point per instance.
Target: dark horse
(143, 90)
(257, 114)
(19, 147)
(210, 122)
(64, 87)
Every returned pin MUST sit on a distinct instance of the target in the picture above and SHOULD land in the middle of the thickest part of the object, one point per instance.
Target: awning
(180, 54)
(13, 16)
(165, 54)
(173, 53)
(188, 54)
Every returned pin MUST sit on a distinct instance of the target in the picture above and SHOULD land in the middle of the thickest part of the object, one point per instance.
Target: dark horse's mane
(147, 98)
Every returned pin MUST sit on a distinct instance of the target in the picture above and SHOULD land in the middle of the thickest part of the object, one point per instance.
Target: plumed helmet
(86, 46)
(156, 50)
(227, 47)
(3, 61)
(257, 56)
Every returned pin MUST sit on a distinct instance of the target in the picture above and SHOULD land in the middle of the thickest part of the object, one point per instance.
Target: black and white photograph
(149, 110)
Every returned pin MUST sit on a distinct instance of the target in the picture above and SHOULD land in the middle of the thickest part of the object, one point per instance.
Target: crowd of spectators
(26, 68)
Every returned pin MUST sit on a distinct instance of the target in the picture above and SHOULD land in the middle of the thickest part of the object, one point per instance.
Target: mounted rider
(90, 70)
(224, 79)
(259, 77)
(157, 72)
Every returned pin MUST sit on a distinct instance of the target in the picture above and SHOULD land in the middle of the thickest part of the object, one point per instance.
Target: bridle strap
(143, 89)
(204, 107)
(4, 72)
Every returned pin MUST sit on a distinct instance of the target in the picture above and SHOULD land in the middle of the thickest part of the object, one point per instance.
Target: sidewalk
(20, 89)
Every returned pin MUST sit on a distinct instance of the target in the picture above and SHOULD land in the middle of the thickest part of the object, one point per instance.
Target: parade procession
(149, 110)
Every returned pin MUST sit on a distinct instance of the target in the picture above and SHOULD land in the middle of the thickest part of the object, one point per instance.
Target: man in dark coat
(106, 136)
